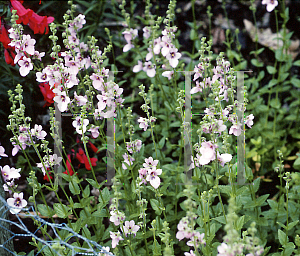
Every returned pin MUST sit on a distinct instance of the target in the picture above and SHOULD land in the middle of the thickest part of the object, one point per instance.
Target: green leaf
(74, 188)
(281, 237)
(256, 63)
(193, 35)
(292, 224)
(297, 63)
(61, 210)
(106, 196)
(93, 183)
(161, 143)
(279, 55)
(86, 192)
(295, 81)
(275, 103)
(271, 70)
(272, 83)
(240, 223)
(155, 206)
(45, 211)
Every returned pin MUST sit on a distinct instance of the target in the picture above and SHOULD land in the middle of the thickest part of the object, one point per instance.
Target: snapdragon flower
(10, 173)
(271, 4)
(116, 237)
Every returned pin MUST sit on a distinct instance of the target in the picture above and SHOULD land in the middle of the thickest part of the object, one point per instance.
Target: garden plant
(151, 127)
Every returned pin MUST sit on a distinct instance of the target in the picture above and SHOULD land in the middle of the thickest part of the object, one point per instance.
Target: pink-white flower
(80, 100)
(191, 253)
(130, 228)
(196, 239)
(149, 68)
(143, 175)
(62, 100)
(138, 67)
(224, 158)
(116, 217)
(80, 124)
(249, 120)
(38, 132)
(10, 173)
(208, 153)
(127, 161)
(16, 203)
(150, 163)
(224, 250)
(94, 131)
(129, 35)
(146, 31)
(144, 122)
(97, 81)
(25, 66)
(2, 150)
(271, 4)
(235, 129)
(116, 237)
(184, 231)
(153, 177)
(28, 44)
(168, 74)
(104, 251)
(173, 57)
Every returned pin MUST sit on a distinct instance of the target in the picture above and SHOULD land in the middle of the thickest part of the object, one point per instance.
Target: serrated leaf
(74, 188)
(45, 211)
(61, 210)
(86, 192)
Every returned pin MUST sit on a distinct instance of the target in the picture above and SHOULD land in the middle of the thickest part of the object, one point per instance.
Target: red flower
(46, 176)
(24, 14)
(69, 168)
(93, 147)
(47, 93)
(9, 59)
(39, 23)
(4, 39)
(36, 22)
(82, 158)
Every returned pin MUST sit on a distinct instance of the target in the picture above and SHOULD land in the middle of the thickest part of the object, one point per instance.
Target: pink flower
(191, 253)
(150, 163)
(138, 67)
(130, 228)
(10, 173)
(149, 68)
(2, 150)
(197, 239)
(208, 153)
(153, 177)
(28, 44)
(224, 158)
(94, 131)
(173, 57)
(80, 100)
(17, 203)
(168, 74)
(38, 132)
(184, 231)
(143, 175)
(249, 120)
(116, 217)
(235, 129)
(143, 123)
(146, 31)
(271, 4)
(97, 82)
(116, 237)
(104, 251)
(80, 124)
(224, 250)
(25, 66)
(62, 100)
(127, 161)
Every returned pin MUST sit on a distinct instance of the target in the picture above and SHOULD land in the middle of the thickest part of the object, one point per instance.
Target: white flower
(17, 203)
(25, 66)
(271, 4)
